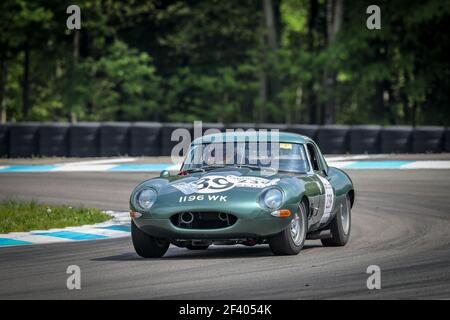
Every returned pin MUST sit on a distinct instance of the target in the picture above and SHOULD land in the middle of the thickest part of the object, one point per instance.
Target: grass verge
(18, 216)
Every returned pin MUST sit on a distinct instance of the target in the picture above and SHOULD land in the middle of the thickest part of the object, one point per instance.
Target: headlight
(146, 198)
(273, 199)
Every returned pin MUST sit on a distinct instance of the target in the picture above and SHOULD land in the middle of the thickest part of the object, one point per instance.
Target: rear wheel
(147, 246)
(291, 240)
(340, 226)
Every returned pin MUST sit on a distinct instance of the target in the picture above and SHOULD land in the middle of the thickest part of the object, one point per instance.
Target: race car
(244, 188)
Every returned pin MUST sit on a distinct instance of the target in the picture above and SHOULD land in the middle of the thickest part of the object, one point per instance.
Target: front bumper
(252, 221)
(243, 228)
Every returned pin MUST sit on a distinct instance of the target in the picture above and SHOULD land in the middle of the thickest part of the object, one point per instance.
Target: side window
(313, 156)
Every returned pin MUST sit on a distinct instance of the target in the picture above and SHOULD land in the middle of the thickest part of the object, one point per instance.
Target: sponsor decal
(329, 198)
(215, 184)
(186, 188)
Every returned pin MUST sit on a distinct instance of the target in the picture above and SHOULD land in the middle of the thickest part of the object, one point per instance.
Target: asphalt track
(400, 223)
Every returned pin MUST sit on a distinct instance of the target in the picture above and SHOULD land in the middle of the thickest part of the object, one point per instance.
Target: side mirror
(164, 174)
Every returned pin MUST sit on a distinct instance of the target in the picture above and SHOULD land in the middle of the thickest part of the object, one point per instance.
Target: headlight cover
(272, 198)
(146, 198)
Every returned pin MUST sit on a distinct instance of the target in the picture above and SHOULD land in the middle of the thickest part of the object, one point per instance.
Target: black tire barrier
(54, 139)
(250, 127)
(241, 126)
(447, 140)
(84, 139)
(4, 140)
(271, 126)
(145, 139)
(114, 139)
(308, 130)
(210, 128)
(90, 139)
(427, 139)
(166, 135)
(333, 139)
(396, 139)
(364, 139)
(23, 139)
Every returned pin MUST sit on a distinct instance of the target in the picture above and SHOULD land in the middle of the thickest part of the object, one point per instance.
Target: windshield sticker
(287, 146)
(215, 184)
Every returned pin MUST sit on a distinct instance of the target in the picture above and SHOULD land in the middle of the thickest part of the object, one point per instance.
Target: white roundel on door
(329, 196)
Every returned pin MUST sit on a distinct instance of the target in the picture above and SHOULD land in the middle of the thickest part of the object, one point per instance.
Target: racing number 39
(212, 185)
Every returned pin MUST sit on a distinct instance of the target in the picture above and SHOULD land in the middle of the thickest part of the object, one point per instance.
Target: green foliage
(183, 60)
(16, 216)
(122, 85)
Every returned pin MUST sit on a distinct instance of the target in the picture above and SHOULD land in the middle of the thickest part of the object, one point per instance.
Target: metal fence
(94, 139)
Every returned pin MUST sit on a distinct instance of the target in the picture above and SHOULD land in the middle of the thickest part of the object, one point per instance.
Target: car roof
(252, 135)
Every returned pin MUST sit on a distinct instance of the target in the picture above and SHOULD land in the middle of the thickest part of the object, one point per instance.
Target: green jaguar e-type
(244, 188)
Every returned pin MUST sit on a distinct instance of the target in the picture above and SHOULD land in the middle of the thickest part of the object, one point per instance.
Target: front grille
(203, 220)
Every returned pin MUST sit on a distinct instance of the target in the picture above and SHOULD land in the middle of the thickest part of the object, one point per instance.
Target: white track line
(29, 237)
(121, 219)
(340, 164)
(346, 158)
(430, 164)
(86, 167)
(102, 232)
(175, 167)
(100, 161)
(356, 157)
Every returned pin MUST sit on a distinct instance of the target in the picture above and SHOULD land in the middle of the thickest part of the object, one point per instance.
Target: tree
(289, 61)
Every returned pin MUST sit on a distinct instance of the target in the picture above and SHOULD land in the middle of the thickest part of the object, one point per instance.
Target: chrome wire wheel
(290, 241)
(297, 230)
(345, 217)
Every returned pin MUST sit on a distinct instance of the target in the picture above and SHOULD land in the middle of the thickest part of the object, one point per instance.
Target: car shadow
(214, 252)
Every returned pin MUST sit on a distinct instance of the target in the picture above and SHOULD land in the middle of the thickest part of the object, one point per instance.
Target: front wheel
(340, 226)
(147, 246)
(291, 240)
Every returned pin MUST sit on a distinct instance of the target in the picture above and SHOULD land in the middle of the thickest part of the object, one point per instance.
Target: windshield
(257, 155)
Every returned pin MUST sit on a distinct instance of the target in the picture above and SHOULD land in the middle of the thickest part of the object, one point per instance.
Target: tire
(147, 246)
(396, 139)
(145, 139)
(340, 236)
(333, 139)
(114, 139)
(364, 139)
(308, 130)
(4, 140)
(190, 247)
(288, 243)
(166, 136)
(54, 140)
(84, 139)
(23, 139)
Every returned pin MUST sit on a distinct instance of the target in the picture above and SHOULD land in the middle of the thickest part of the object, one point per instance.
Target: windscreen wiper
(202, 169)
(249, 166)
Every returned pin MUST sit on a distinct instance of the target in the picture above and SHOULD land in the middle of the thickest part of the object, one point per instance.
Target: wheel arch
(305, 199)
(351, 194)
